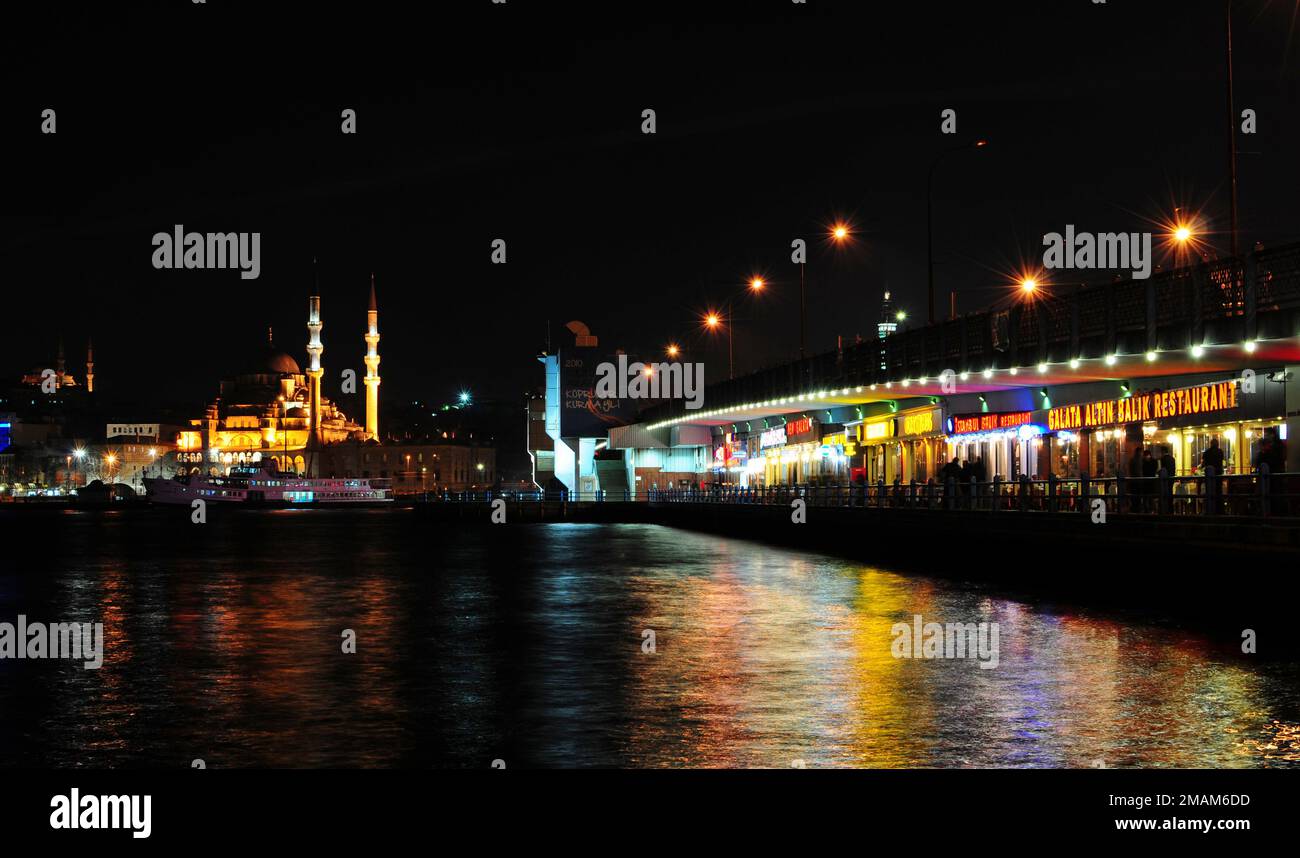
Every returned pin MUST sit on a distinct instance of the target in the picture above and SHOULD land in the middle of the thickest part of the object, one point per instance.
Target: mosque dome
(275, 362)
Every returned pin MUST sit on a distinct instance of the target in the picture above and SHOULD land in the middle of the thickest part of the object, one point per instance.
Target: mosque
(274, 411)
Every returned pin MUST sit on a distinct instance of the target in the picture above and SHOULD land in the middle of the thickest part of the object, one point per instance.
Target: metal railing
(1258, 494)
(1252, 495)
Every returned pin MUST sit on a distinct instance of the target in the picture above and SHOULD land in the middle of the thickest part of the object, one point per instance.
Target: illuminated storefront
(882, 458)
(792, 454)
(1007, 443)
(836, 453)
(1101, 438)
(905, 446)
(729, 460)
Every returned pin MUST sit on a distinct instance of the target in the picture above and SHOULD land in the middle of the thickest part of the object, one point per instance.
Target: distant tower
(90, 365)
(372, 365)
(314, 371)
(59, 371)
(887, 325)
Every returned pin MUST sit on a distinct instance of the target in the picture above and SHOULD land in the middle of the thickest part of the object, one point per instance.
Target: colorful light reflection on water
(525, 643)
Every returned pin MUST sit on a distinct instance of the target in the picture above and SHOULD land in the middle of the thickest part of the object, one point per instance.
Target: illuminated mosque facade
(273, 411)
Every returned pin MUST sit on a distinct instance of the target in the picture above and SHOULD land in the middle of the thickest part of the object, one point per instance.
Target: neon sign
(963, 424)
(1217, 396)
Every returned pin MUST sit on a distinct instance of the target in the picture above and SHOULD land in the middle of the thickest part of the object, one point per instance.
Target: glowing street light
(1028, 285)
(840, 233)
(757, 284)
(713, 320)
(673, 350)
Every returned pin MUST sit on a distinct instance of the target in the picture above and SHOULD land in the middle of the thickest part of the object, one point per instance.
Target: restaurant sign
(772, 437)
(921, 422)
(963, 424)
(876, 431)
(1187, 401)
(800, 429)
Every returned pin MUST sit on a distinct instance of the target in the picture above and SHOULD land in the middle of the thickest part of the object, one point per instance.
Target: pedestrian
(1134, 474)
(1170, 468)
(1149, 468)
(1272, 452)
(1212, 463)
(1212, 458)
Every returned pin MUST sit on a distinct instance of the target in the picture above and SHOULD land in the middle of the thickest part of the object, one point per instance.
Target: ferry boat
(263, 486)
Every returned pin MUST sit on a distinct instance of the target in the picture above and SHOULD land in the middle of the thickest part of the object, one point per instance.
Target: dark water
(524, 643)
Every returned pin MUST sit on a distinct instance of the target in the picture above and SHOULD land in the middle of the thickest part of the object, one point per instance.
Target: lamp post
(929, 215)
(1232, 135)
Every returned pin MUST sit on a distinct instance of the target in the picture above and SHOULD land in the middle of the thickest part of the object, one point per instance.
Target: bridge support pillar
(1292, 413)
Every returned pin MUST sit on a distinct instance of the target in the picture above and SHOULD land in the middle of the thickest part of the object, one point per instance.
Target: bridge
(1217, 315)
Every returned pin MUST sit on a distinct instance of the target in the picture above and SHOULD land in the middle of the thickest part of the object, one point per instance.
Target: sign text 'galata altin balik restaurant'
(1188, 402)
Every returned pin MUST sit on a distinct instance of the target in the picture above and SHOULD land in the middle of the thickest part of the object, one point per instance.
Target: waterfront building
(435, 465)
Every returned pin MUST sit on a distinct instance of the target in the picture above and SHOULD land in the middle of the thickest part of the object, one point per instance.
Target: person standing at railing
(1148, 487)
(1169, 468)
(1212, 466)
(1272, 452)
(1213, 457)
(1134, 485)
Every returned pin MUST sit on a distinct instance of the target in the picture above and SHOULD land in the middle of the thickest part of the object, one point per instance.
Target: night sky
(522, 121)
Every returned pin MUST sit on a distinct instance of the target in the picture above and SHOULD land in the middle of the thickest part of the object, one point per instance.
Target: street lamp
(929, 213)
(712, 320)
(673, 350)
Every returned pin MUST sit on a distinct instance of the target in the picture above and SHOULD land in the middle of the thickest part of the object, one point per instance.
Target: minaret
(372, 365)
(90, 365)
(314, 371)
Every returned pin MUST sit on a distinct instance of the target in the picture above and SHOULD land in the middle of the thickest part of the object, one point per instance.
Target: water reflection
(529, 645)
